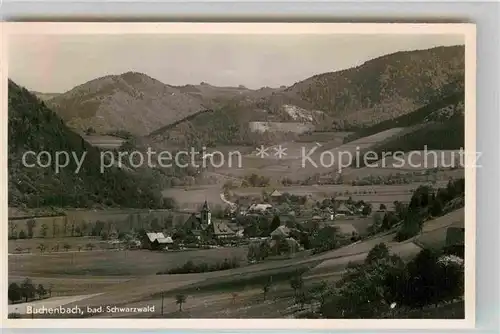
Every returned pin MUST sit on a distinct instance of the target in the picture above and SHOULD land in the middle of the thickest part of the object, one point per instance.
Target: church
(202, 225)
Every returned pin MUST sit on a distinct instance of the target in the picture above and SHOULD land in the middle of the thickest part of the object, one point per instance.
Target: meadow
(114, 263)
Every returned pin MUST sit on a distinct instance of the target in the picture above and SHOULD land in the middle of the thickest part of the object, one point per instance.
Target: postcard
(253, 175)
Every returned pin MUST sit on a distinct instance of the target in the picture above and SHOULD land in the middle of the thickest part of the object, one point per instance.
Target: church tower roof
(205, 206)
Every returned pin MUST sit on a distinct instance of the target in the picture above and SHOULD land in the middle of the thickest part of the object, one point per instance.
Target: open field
(433, 233)
(361, 224)
(405, 250)
(374, 194)
(324, 136)
(114, 263)
(291, 164)
(191, 198)
(69, 286)
(104, 142)
(49, 243)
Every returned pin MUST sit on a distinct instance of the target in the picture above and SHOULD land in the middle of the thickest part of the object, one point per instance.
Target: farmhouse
(276, 196)
(260, 207)
(155, 241)
(341, 199)
(343, 210)
(220, 230)
(281, 231)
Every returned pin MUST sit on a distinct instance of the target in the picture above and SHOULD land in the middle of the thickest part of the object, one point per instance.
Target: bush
(189, 267)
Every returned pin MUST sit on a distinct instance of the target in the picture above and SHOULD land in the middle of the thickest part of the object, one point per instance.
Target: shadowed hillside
(385, 87)
(34, 127)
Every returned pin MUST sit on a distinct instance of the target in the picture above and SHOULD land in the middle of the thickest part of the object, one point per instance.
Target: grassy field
(209, 294)
(291, 164)
(192, 198)
(104, 142)
(376, 194)
(49, 243)
(434, 231)
(113, 263)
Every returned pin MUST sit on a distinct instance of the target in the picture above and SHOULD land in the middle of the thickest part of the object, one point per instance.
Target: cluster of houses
(200, 227)
(197, 226)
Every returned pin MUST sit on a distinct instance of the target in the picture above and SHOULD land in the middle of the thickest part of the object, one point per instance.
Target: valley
(315, 198)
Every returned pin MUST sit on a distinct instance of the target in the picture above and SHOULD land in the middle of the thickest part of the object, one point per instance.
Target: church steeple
(206, 216)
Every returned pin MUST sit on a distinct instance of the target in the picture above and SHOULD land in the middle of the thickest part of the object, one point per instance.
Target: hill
(45, 96)
(385, 87)
(399, 89)
(34, 127)
(132, 101)
(436, 111)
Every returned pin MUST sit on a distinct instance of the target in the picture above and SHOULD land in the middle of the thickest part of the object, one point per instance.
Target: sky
(57, 63)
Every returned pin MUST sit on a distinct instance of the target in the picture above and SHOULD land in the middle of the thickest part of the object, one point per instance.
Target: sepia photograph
(239, 171)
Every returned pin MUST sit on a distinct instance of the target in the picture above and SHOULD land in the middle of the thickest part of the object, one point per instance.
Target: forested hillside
(34, 127)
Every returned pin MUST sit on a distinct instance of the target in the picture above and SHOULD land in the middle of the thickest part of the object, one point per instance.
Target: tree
(27, 289)
(437, 208)
(42, 248)
(322, 293)
(14, 292)
(410, 227)
(89, 246)
(362, 291)
(382, 207)
(13, 230)
(421, 286)
(302, 298)
(367, 210)
(234, 296)
(67, 247)
(378, 252)
(296, 283)
(40, 291)
(275, 223)
(267, 286)
(179, 300)
(22, 234)
(43, 230)
(30, 225)
(389, 221)
(65, 226)
(325, 239)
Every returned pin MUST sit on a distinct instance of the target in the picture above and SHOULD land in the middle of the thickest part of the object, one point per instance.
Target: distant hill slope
(46, 96)
(381, 89)
(385, 87)
(33, 126)
(442, 128)
(132, 101)
(214, 95)
(379, 92)
(427, 113)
